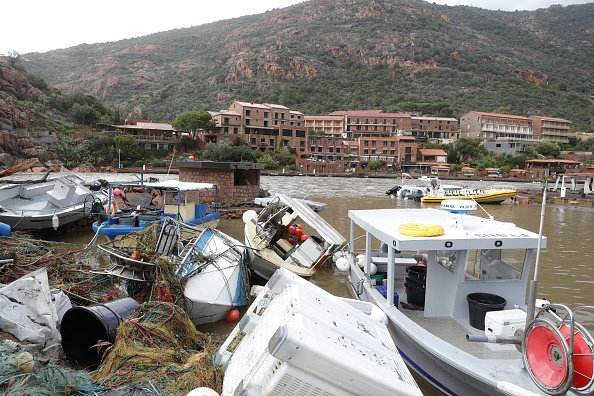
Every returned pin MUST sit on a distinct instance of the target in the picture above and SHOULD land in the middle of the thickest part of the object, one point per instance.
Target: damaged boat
(288, 234)
(207, 268)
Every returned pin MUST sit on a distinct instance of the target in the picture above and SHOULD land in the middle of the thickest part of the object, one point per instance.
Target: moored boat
(455, 292)
(287, 233)
(181, 201)
(61, 200)
(493, 195)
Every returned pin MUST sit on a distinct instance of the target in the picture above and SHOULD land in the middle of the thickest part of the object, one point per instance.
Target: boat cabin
(471, 254)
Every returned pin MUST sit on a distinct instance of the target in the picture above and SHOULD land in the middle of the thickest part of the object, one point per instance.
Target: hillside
(324, 55)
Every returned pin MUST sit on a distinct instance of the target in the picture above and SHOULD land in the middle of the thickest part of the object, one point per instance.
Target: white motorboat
(464, 322)
(411, 188)
(48, 204)
(298, 339)
(287, 233)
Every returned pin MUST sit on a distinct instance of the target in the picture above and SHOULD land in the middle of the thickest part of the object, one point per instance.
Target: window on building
(366, 143)
(247, 112)
(235, 131)
(265, 114)
(247, 121)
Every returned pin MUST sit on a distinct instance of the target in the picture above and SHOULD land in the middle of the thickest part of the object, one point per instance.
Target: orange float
(232, 315)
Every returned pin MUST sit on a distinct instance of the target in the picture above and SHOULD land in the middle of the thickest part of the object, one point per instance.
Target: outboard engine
(94, 207)
(96, 186)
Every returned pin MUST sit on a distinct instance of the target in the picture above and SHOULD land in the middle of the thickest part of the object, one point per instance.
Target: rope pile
(22, 374)
(158, 347)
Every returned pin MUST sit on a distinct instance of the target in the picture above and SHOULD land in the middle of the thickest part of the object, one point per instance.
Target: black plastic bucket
(481, 303)
(83, 327)
(415, 293)
(416, 273)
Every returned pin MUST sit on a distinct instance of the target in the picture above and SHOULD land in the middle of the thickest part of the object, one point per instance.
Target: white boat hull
(212, 289)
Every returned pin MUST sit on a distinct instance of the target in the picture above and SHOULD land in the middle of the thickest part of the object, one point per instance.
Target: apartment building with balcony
(493, 126)
(548, 128)
(228, 124)
(264, 126)
(332, 126)
(394, 151)
(328, 147)
(442, 130)
(151, 135)
(373, 123)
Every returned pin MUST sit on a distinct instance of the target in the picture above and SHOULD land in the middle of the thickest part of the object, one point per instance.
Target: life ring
(420, 230)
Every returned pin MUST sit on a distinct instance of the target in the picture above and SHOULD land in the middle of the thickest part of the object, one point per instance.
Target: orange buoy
(232, 316)
(298, 233)
(135, 255)
(299, 226)
(291, 230)
(191, 158)
(303, 238)
(291, 241)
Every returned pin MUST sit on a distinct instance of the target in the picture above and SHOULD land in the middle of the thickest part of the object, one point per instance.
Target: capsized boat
(60, 200)
(210, 267)
(296, 338)
(287, 233)
(493, 195)
(181, 200)
(454, 291)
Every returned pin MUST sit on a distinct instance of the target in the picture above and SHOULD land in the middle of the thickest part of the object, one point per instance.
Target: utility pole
(412, 48)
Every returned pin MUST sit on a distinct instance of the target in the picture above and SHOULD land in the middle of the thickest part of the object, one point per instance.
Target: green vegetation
(305, 58)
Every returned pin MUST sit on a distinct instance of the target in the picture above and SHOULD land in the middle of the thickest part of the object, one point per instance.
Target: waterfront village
(353, 140)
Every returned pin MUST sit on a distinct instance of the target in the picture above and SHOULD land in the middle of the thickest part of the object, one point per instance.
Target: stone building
(236, 181)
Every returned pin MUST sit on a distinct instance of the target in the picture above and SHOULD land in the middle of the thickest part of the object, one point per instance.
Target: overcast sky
(43, 25)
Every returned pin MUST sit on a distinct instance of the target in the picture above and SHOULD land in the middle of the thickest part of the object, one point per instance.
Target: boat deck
(452, 331)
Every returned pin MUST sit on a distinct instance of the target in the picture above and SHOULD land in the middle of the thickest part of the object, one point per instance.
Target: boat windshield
(492, 264)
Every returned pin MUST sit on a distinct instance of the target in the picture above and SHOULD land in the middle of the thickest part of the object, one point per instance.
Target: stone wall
(226, 181)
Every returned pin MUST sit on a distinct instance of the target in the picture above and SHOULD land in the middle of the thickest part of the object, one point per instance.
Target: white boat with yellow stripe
(492, 195)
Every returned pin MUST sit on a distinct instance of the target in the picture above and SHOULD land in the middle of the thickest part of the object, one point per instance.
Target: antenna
(412, 47)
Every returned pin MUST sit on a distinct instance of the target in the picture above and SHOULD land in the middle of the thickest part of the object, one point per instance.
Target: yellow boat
(493, 195)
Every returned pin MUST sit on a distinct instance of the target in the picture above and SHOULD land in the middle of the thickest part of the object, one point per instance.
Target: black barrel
(481, 303)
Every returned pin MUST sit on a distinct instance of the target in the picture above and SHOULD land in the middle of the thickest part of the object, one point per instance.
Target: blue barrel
(83, 327)
(4, 229)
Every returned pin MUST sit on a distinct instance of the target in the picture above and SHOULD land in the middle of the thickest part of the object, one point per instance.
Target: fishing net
(159, 348)
(23, 374)
(67, 267)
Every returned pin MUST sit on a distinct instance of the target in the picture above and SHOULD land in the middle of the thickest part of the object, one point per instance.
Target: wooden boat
(61, 200)
(211, 267)
(493, 195)
(463, 322)
(180, 202)
(296, 338)
(287, 233)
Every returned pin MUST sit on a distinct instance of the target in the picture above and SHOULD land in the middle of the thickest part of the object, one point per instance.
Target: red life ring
(583, 357)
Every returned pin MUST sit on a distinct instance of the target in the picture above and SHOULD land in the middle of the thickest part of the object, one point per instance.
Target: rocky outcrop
(15, 92)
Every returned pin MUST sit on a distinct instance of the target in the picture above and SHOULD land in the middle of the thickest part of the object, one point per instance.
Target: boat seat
(284, 245)
(61, 194)
(288, 218)
(32, 191)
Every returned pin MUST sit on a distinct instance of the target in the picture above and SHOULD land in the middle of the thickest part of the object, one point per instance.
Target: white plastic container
(504, 323)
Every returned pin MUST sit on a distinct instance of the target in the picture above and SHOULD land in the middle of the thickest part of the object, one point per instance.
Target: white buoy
(372, 269)
(342, 264)
(361, 260)
(202, 392)
(248, 215)
(55, 222)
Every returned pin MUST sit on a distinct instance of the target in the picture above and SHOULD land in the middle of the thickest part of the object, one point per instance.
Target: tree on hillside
(548, 148)
(469, 150)
(128, 148)
(194, 121)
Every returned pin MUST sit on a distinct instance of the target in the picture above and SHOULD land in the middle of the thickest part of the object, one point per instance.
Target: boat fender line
(421, 230)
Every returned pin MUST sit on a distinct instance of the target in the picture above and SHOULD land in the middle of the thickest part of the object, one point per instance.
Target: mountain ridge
(320, 55)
